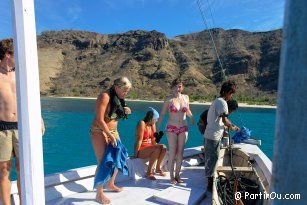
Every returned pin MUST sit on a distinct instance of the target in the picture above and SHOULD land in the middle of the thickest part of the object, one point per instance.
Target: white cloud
(113, 4)
(57, 15)
(74, 12)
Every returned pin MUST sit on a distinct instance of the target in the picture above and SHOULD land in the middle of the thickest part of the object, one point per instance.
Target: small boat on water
(76, 186)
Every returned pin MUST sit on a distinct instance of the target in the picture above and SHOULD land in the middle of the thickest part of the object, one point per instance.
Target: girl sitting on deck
(146, 145)
(110, 107)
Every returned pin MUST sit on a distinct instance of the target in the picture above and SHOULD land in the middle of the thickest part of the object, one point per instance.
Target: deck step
(237, 169)
(176, 195)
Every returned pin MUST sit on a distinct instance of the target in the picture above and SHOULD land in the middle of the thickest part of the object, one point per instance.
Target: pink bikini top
(173, 108)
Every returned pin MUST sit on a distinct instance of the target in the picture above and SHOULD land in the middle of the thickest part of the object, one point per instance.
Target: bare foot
(173, 181)
(160, 172)
(150, 176)
(113, 188)
(179, 180)
(102, 199)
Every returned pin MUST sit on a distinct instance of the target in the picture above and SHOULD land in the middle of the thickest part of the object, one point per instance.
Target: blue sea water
(67, 144)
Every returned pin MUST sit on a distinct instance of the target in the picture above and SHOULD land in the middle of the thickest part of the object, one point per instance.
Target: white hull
(76, 186)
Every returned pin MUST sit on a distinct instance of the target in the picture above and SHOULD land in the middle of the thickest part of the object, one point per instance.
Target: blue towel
(114, 157)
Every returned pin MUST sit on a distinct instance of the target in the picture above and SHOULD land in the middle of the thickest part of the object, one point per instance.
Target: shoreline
(243, 105)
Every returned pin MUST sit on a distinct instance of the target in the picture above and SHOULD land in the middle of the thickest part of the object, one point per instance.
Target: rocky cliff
(80, 63)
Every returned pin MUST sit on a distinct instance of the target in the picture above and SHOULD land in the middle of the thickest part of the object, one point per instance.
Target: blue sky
(172, 17)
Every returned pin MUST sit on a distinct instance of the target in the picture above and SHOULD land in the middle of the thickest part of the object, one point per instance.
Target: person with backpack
(202, 122)
(217, 120)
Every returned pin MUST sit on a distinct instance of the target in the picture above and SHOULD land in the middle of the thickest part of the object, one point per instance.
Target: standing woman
(177, 127)
(110, 107)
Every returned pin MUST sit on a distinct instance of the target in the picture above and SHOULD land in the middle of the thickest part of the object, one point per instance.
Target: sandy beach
(209, 103)
(195, 102)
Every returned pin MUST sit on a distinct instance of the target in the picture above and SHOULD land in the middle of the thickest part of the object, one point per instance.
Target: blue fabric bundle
(113, 158)
(244, 134)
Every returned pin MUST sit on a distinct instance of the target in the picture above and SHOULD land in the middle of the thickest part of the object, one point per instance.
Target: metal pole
(28, 102)
(290, 156)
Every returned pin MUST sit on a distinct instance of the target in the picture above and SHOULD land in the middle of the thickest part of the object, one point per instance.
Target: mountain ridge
(81, 63)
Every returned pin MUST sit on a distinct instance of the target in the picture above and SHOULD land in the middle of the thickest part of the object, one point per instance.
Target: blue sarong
(113, 158)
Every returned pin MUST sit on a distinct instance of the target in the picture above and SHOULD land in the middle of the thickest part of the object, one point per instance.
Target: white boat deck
(144, 191)
(76, 186)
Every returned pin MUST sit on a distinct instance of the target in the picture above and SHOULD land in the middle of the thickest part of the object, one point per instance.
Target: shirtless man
(8, 120)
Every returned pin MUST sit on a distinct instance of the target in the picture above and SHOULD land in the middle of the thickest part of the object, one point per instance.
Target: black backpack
(202, 122)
